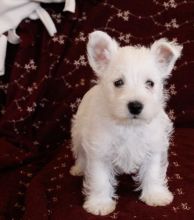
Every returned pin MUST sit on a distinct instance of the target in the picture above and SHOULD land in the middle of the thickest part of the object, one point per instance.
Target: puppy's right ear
(101, 49)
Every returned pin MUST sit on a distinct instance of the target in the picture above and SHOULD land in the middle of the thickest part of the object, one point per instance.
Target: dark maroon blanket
(44, 82)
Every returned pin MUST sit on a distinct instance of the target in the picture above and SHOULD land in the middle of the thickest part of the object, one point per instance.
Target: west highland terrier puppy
(121, 125)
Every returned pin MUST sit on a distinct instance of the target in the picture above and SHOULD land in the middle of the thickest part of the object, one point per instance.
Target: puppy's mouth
(139, 119)
(136, 117)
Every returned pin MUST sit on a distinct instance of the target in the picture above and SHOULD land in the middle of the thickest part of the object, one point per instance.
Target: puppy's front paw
(99, 206)
(76, 171)
(161, 197)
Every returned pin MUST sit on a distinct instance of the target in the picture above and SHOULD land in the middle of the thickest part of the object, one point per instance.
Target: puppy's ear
(101, 49)
(165, 55)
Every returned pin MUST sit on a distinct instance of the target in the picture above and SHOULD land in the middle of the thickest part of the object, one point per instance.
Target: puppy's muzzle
(135, 107)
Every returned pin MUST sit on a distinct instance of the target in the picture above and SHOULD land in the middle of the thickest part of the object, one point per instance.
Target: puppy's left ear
(165, 54)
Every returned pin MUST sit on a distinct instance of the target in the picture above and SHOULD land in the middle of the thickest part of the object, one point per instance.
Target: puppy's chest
(129, 150)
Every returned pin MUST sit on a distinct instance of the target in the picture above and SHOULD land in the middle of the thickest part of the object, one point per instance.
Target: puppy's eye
(118, 83)
(150, 83)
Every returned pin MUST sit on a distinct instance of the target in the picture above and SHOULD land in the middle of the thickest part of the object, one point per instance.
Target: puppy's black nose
(135, 107)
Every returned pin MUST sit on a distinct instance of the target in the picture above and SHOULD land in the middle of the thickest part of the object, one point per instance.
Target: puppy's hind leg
(78, 168)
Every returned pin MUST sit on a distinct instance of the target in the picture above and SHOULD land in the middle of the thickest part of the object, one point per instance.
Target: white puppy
(121, 125)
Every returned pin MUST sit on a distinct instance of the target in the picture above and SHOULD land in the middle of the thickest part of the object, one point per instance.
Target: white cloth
(12, 16)
(69, 4)
(12, 12)
(3, 47)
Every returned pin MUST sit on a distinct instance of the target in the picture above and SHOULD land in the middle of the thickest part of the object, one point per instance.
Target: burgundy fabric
(44, 83)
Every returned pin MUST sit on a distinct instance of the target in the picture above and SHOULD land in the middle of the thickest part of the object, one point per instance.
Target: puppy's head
(132, 78)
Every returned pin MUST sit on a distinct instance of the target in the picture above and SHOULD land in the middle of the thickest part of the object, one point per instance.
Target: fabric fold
(69, 6)
(13, 38)
(46, 20)
(12, 18)
(3, 48)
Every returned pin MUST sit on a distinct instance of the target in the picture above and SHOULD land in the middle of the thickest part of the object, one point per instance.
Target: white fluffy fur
(108, 139)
